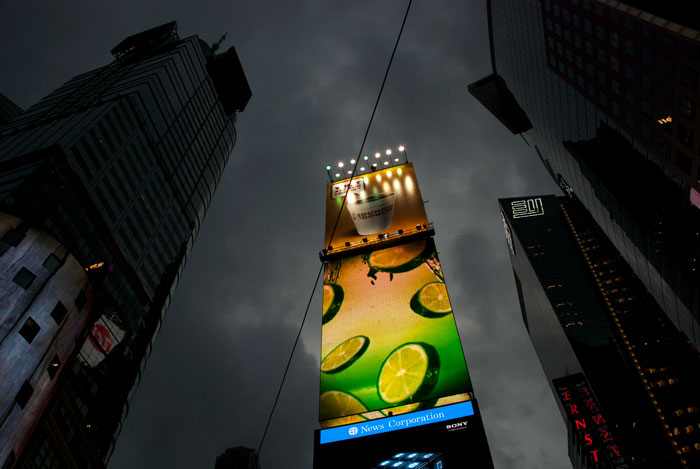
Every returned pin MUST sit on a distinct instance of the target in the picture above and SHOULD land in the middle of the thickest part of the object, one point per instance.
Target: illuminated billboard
(380, 205)
(389, 340)
(449, 437)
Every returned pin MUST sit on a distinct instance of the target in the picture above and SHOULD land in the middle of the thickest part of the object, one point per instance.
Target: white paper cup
(373, 213)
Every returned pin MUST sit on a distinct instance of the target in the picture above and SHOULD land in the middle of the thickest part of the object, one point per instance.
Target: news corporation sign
(399, 422)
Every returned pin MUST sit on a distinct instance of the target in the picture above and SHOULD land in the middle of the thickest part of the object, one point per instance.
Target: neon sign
(527, 208)
(587, 423)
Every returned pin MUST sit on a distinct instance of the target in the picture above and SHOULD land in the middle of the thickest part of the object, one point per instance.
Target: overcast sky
(315, 68)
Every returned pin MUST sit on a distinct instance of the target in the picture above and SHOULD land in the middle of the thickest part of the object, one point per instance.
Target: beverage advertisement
(373, 204)
(389, 339)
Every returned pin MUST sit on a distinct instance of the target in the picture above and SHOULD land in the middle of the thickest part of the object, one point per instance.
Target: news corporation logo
(352, 430)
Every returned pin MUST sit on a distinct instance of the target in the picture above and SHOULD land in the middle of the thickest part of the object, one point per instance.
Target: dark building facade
(611, 90)
(627, 382)
(103, 187)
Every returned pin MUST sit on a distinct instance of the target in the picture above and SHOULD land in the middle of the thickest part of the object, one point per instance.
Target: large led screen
(447, 438)
(378, 203)
(389, 339)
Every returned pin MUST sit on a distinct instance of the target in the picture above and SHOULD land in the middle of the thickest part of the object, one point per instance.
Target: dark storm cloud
(315, 68)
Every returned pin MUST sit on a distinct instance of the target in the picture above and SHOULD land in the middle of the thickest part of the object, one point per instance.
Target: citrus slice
(431, 301)
(344, 354)
(409, 373)
(401, 258)
(334, 404)
(332, 299)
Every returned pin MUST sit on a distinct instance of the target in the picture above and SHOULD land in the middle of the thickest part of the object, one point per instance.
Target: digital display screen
(389, 339)
(378, 204)
(457, 441)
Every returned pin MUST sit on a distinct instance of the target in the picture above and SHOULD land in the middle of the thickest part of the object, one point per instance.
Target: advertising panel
(448, 437)
(378, 205)
(103, 337)
(389, 340)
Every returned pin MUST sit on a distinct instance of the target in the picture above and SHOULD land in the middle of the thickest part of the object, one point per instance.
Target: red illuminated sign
(587, 422)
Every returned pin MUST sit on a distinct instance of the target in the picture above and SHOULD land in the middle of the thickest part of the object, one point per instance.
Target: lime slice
(334, 404)
(431, 301)
(400, 258)
(332, 299)
(409, 373)
(345, 354)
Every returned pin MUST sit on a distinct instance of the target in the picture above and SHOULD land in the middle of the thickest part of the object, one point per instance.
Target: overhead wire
(357, 160)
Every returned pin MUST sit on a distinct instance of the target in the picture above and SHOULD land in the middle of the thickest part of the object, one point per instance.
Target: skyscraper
(103, 187)
(626, 380)
(611, 91)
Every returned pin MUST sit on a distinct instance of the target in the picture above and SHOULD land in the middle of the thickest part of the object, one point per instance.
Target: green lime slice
(409, 373)
(431, 301)
(345, 354)
(334, 404)
(399, 259)
(332, 299)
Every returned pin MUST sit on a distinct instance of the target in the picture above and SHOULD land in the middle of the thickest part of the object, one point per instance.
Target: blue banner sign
(399, 422)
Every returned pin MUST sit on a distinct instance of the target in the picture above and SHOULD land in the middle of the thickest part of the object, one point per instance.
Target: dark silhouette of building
(611, 90)
(239, 457)
(103, 186)
(626, 380)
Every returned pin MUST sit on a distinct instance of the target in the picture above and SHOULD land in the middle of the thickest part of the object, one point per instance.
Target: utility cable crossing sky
(357, 160)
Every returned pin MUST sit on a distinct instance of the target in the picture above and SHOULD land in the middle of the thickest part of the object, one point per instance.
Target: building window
(602, 78)
(664, 93)
(616, 109)
(577, 20)
(645, 107)
(614, 63)
(615, 86)
(24, 278)
(646, 31)
(646, 132)
(587, 26)
(601, 55)
(614, 39)
(666, 66)
(630, 23)
(630, 73)
(603, 98)
(690, 50)
(589, 48)
(646, 83)
(25, 392)
(629, 120)
(80, 300)
(52, 263)
(630, 97)
(613, 16)
(630, 47)
(13, 237)
(667, 39)
(59, 312)
(53, 366)
(687, 107)
(591, 89)
(689, 77)
(685, 136)
(647, 56)
(29, 330)
(600, 32)
(590, 70)
(577, 41)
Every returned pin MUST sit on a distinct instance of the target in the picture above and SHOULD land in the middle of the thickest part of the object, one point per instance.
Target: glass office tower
(103, 187)
(611, 90)
(626, 380)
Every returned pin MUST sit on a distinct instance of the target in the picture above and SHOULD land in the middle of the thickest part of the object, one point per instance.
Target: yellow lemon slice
(344, 354)
(400, 258)
(332, 299)
(334, 404)
(409, 373)
(431, 301)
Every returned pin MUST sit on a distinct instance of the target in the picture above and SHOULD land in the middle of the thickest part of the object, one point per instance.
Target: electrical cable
(301, 327)
(369, 125)
(284, 376)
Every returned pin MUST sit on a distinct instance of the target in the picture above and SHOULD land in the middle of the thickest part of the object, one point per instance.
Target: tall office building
(626, 380)
(611, 90)
(103, 187)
